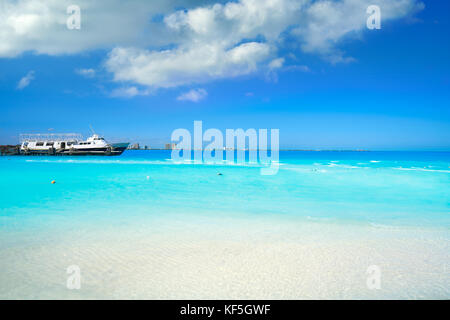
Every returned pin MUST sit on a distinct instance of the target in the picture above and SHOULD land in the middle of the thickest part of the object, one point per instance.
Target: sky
(137, 70)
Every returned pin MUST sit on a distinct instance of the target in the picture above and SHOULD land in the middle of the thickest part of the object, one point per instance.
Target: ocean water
(142, 226)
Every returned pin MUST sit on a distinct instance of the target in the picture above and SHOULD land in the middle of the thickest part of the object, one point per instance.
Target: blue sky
(342, 86)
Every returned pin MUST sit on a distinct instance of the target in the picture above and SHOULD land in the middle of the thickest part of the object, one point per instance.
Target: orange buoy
(53, 181)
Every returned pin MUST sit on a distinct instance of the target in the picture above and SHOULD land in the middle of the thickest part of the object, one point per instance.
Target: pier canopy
(24, 137)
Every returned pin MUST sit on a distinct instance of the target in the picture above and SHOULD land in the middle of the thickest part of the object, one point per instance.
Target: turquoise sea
(105, 208)
(401, 188)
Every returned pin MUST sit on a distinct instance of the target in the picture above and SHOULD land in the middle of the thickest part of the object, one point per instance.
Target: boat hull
(115, 149)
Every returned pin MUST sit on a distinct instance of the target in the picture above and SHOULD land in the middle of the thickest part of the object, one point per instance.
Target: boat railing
(27, 137)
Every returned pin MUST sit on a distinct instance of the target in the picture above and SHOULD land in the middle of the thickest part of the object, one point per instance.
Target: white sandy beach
(228, 258)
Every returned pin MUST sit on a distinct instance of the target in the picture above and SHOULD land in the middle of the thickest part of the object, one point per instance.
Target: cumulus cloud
(194, 95)
(88, 73)
(195, 64)
(40, 26)
(25, 81)
(243, 37)
(326, 23)
(218, 39)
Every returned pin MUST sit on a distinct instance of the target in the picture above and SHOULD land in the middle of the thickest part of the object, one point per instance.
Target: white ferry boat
(68, 144)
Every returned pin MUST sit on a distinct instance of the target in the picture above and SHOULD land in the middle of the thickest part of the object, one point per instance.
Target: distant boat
(68, 144)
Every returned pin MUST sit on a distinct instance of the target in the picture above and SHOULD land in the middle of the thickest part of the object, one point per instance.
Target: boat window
(39, 144)
(50, 143)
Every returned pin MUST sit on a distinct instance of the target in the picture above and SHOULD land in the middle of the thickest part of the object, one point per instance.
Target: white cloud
(194, 45)
(25, 81)
(40, 25)
(214, 42)
(276, 63)
(302, 68)
(88, 73)
(326, 23)
(219, 41)
(129, 92)
(181, 66)
(194, 95)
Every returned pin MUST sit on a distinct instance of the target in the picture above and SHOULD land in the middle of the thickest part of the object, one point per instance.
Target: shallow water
(154, 222)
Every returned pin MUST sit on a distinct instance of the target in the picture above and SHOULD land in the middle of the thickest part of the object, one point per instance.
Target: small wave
(345, 166)
(385, 226)
(332, 165)
(422, 169)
